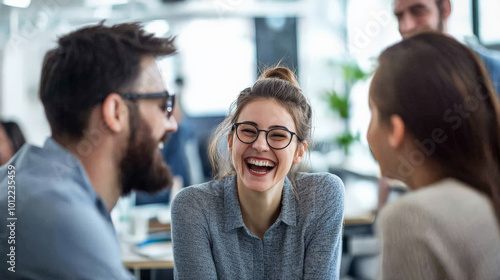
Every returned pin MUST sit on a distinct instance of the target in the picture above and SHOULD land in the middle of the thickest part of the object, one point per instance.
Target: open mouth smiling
(260, 167)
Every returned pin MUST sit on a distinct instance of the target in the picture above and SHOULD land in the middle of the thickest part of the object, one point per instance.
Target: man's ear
(300, 152)
(446, 9)
(397, 133)
(114, 112)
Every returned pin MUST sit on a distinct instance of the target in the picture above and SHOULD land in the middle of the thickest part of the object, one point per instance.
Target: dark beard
(440, 23)
(143, 168)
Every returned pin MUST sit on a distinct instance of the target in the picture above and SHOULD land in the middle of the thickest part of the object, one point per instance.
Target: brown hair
(279, 84)
(15, 134)
(433, 82)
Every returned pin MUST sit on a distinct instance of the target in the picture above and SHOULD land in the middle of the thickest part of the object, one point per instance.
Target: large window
(489, 21)
(217, 58)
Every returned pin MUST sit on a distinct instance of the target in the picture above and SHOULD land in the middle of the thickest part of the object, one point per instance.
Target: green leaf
(353, 73)
(339, 104)
(346, 140)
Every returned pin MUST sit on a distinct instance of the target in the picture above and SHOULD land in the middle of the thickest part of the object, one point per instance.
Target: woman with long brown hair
(436, 126)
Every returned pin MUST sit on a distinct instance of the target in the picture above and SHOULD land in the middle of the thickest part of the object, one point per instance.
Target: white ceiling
(85, 10)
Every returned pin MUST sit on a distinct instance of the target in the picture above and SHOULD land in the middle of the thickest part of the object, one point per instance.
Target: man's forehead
(150, 69)
(150, 77)
(400, 5)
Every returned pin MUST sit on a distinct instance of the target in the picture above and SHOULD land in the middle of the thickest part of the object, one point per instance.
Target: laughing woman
(261, 219)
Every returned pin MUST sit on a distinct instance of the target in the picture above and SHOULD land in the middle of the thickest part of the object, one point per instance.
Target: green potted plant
(340, 103)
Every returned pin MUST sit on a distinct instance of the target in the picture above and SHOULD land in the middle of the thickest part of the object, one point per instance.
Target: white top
(444, 231)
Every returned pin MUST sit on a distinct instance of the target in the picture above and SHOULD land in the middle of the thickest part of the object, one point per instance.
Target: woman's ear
(114, 113)
(300, 152)
(397, 133)
(230, 141)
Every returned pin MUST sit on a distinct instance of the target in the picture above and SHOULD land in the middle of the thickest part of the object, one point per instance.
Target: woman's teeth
(259, 172)
(261, 163)
(260, 166)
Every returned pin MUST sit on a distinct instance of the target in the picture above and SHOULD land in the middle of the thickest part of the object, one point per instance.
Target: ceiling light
(17, 3)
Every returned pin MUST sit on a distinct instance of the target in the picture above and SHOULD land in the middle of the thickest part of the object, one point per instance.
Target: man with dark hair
(109, 111)
(415, 16)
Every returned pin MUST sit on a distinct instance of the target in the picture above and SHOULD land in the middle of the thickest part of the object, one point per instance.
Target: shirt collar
(69, 165)
(232, 210)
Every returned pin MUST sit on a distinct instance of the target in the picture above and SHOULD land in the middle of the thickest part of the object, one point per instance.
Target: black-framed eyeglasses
(169, 98)
(277, 138)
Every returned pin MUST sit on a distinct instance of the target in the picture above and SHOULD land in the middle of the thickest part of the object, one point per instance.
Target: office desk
(133, 260)
(359, 248)
(357, 229)
(366, 219)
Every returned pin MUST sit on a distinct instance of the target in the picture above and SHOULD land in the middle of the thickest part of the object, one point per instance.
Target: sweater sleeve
(324, 246)
(191, 237)
(408, 242)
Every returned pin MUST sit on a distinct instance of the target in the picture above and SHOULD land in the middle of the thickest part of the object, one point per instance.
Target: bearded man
(108, 110)
(415, 16)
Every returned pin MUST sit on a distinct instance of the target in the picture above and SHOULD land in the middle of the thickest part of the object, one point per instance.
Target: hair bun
(282, 73)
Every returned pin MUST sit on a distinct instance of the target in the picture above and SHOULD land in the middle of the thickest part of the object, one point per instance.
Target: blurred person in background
(108, 110)
(261, 219)
(11, 140)
(414, 16)
(436, 126)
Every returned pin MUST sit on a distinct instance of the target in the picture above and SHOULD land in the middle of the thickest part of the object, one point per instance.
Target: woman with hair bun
(260, 218)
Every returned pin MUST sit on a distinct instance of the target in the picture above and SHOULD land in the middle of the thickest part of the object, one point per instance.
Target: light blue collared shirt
(63, 228)
(491, 60)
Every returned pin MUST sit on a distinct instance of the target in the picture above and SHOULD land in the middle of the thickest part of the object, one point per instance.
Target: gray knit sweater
(210, 240)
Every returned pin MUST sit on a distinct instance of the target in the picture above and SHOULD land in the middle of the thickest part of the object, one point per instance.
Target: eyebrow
(417, 7)
(249, 122)
(278, 126)
(411, 8)
(271, 127)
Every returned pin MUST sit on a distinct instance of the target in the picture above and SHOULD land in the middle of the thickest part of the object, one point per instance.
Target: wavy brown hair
(432, 81)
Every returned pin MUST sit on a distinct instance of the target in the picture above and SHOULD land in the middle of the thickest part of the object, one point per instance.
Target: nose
(407, 24)
(261, 144)
(170, 125)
